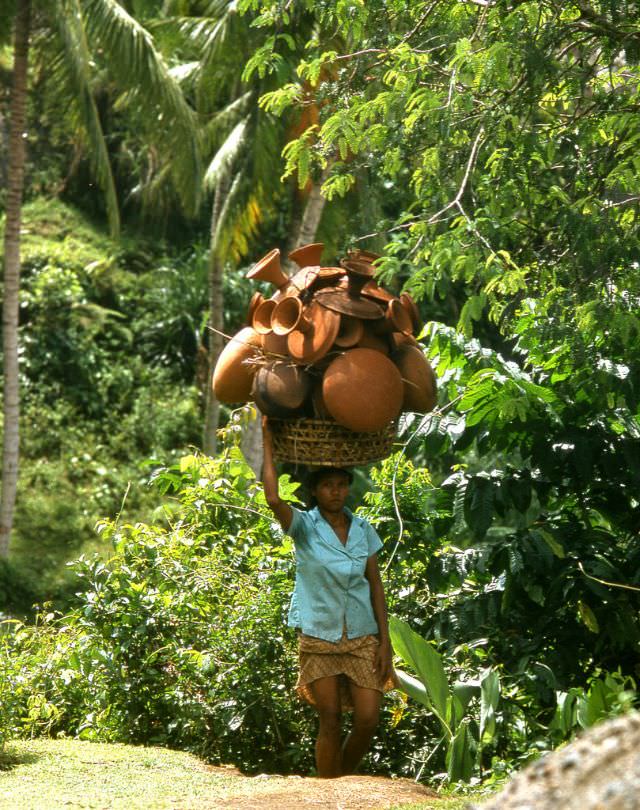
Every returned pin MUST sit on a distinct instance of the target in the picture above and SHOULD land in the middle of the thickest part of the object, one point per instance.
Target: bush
(180, 638)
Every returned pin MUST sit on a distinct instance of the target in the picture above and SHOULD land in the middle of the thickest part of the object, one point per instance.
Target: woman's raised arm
(281, 509)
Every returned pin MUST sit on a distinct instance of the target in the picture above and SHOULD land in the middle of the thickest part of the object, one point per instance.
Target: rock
(600, 770)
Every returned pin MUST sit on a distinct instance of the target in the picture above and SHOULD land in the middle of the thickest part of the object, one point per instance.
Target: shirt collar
(317, 515)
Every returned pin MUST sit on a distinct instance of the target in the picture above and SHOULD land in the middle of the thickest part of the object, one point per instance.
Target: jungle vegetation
(490, 151)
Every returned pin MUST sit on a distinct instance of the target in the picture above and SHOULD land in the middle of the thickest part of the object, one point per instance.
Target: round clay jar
(232, 376)
(362, 390)
(418, 379)
(281, 389)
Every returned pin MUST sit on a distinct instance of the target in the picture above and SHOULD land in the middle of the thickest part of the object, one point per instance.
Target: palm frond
(138, 66)
(224, 120)
(219, 237)
(76, 64)
(184, 72)
(227, 154)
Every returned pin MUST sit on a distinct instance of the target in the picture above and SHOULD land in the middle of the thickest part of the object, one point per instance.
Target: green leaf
(489, 699)
(414, 688)
(555, 545)
(478, 505)
(460, 758)
(420, 655)
(588, 617)
(593, 706)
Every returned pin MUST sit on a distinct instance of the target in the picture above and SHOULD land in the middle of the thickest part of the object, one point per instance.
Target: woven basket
(324, 443)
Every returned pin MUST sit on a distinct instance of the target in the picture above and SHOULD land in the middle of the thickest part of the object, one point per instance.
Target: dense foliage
(492, 148)
(506, 135)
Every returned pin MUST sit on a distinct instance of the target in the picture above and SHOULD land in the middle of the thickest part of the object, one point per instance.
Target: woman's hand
(383, 662)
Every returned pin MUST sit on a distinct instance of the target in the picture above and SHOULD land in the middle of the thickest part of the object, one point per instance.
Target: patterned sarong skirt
(352, 659)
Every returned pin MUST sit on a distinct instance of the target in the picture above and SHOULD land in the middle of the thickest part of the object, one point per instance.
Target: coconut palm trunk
(216, 320)
(15, 185)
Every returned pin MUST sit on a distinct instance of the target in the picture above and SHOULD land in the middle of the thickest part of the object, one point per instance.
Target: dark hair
(313, 478)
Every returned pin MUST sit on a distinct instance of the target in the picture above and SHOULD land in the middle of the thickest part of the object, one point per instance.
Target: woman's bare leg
(326, 693)
(366, 713)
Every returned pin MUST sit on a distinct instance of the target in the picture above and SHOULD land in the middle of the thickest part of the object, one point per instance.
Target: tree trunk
(312, 214)
(15, 185)
(251, 444)
(216, 322)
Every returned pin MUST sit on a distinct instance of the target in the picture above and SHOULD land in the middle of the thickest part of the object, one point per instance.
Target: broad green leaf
(489, 699)
(460, 758)
(588, 617)
(420, 655)
(593, 706)
(555, 545)
(414, 688)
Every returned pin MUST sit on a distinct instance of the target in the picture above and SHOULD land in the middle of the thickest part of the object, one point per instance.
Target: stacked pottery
(330, 344)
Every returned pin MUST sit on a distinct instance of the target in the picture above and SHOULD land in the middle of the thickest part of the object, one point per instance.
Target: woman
(338, 607)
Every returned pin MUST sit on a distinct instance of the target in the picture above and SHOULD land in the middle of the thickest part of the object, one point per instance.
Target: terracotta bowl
(233, 376)
(418, 379)
(362, 390)
(281, 389)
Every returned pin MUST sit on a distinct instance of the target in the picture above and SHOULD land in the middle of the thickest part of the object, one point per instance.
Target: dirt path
(346, 793)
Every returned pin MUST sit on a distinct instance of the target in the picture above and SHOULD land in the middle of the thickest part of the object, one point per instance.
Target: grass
(39, 774)
(43, 774)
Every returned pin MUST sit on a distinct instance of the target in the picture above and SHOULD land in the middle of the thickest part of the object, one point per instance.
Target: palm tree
(11, 403)
(81, 34)
(242, 146)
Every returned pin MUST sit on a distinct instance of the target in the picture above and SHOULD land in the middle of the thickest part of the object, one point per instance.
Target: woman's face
(332, 491)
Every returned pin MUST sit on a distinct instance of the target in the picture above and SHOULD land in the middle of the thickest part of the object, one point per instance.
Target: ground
(46, 774)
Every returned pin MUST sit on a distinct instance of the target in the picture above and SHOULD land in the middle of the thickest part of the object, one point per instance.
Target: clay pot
(340, 300)
(396, 319)
(275, 346)
(256, 299)
(363, 390)
(358, 274)
(320, 410)
(269, 269)
(281, 389)
(397, 339)
(377, 293)
(371, 341)
(286, 315)
(232, 376)
(314, 334)
(307, 255)
(350, 332)
(262, 316)
(418, 379)
(412, 308)
(362, 255)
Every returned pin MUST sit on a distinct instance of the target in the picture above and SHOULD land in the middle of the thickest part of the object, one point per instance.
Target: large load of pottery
(330, 358)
